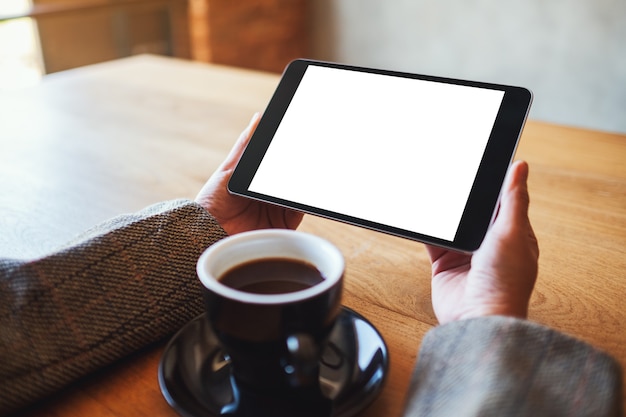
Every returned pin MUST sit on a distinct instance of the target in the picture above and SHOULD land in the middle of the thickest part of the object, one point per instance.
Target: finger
(518, 189)
(521, 203)
(442, 259)
(515, 199)
(239, 146)
(434, 252)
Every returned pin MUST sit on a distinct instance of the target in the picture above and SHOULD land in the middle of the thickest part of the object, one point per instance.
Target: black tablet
(416, 156)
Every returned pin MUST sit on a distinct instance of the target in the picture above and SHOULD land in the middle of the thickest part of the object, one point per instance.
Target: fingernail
(255, 116)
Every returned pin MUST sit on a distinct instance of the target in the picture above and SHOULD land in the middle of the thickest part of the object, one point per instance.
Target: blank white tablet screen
(396, 151)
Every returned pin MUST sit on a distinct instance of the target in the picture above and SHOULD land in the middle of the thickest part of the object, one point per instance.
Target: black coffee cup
(272, 298)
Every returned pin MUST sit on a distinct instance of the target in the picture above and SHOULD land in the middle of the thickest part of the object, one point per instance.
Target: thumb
(237, 150)
(513, 221)
(515, 200)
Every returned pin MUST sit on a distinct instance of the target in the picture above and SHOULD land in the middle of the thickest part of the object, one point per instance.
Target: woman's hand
(499, 277)
(238, 214)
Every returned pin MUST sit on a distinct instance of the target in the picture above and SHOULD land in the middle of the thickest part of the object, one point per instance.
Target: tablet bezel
(484, 195)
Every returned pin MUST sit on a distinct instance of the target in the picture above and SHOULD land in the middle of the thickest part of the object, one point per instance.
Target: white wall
(571, 53)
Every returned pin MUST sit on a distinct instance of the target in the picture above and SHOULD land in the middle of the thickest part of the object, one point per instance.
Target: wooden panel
(261, 34)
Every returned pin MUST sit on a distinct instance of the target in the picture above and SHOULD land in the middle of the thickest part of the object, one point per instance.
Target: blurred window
(20, 55)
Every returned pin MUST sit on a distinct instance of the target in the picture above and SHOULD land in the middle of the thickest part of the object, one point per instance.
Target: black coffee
(272, 276)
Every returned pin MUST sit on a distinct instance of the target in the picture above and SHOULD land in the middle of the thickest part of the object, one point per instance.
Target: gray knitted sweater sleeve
(118, 287)
(503, 366)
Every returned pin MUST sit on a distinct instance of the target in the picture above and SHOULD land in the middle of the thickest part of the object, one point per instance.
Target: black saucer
(195, 377)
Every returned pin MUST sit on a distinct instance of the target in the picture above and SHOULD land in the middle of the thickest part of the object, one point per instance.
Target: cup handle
(302, 367)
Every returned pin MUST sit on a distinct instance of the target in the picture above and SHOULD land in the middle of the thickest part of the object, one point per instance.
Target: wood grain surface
(94, 142)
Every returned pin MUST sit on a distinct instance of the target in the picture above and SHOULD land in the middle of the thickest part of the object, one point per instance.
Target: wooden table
(94, 142)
